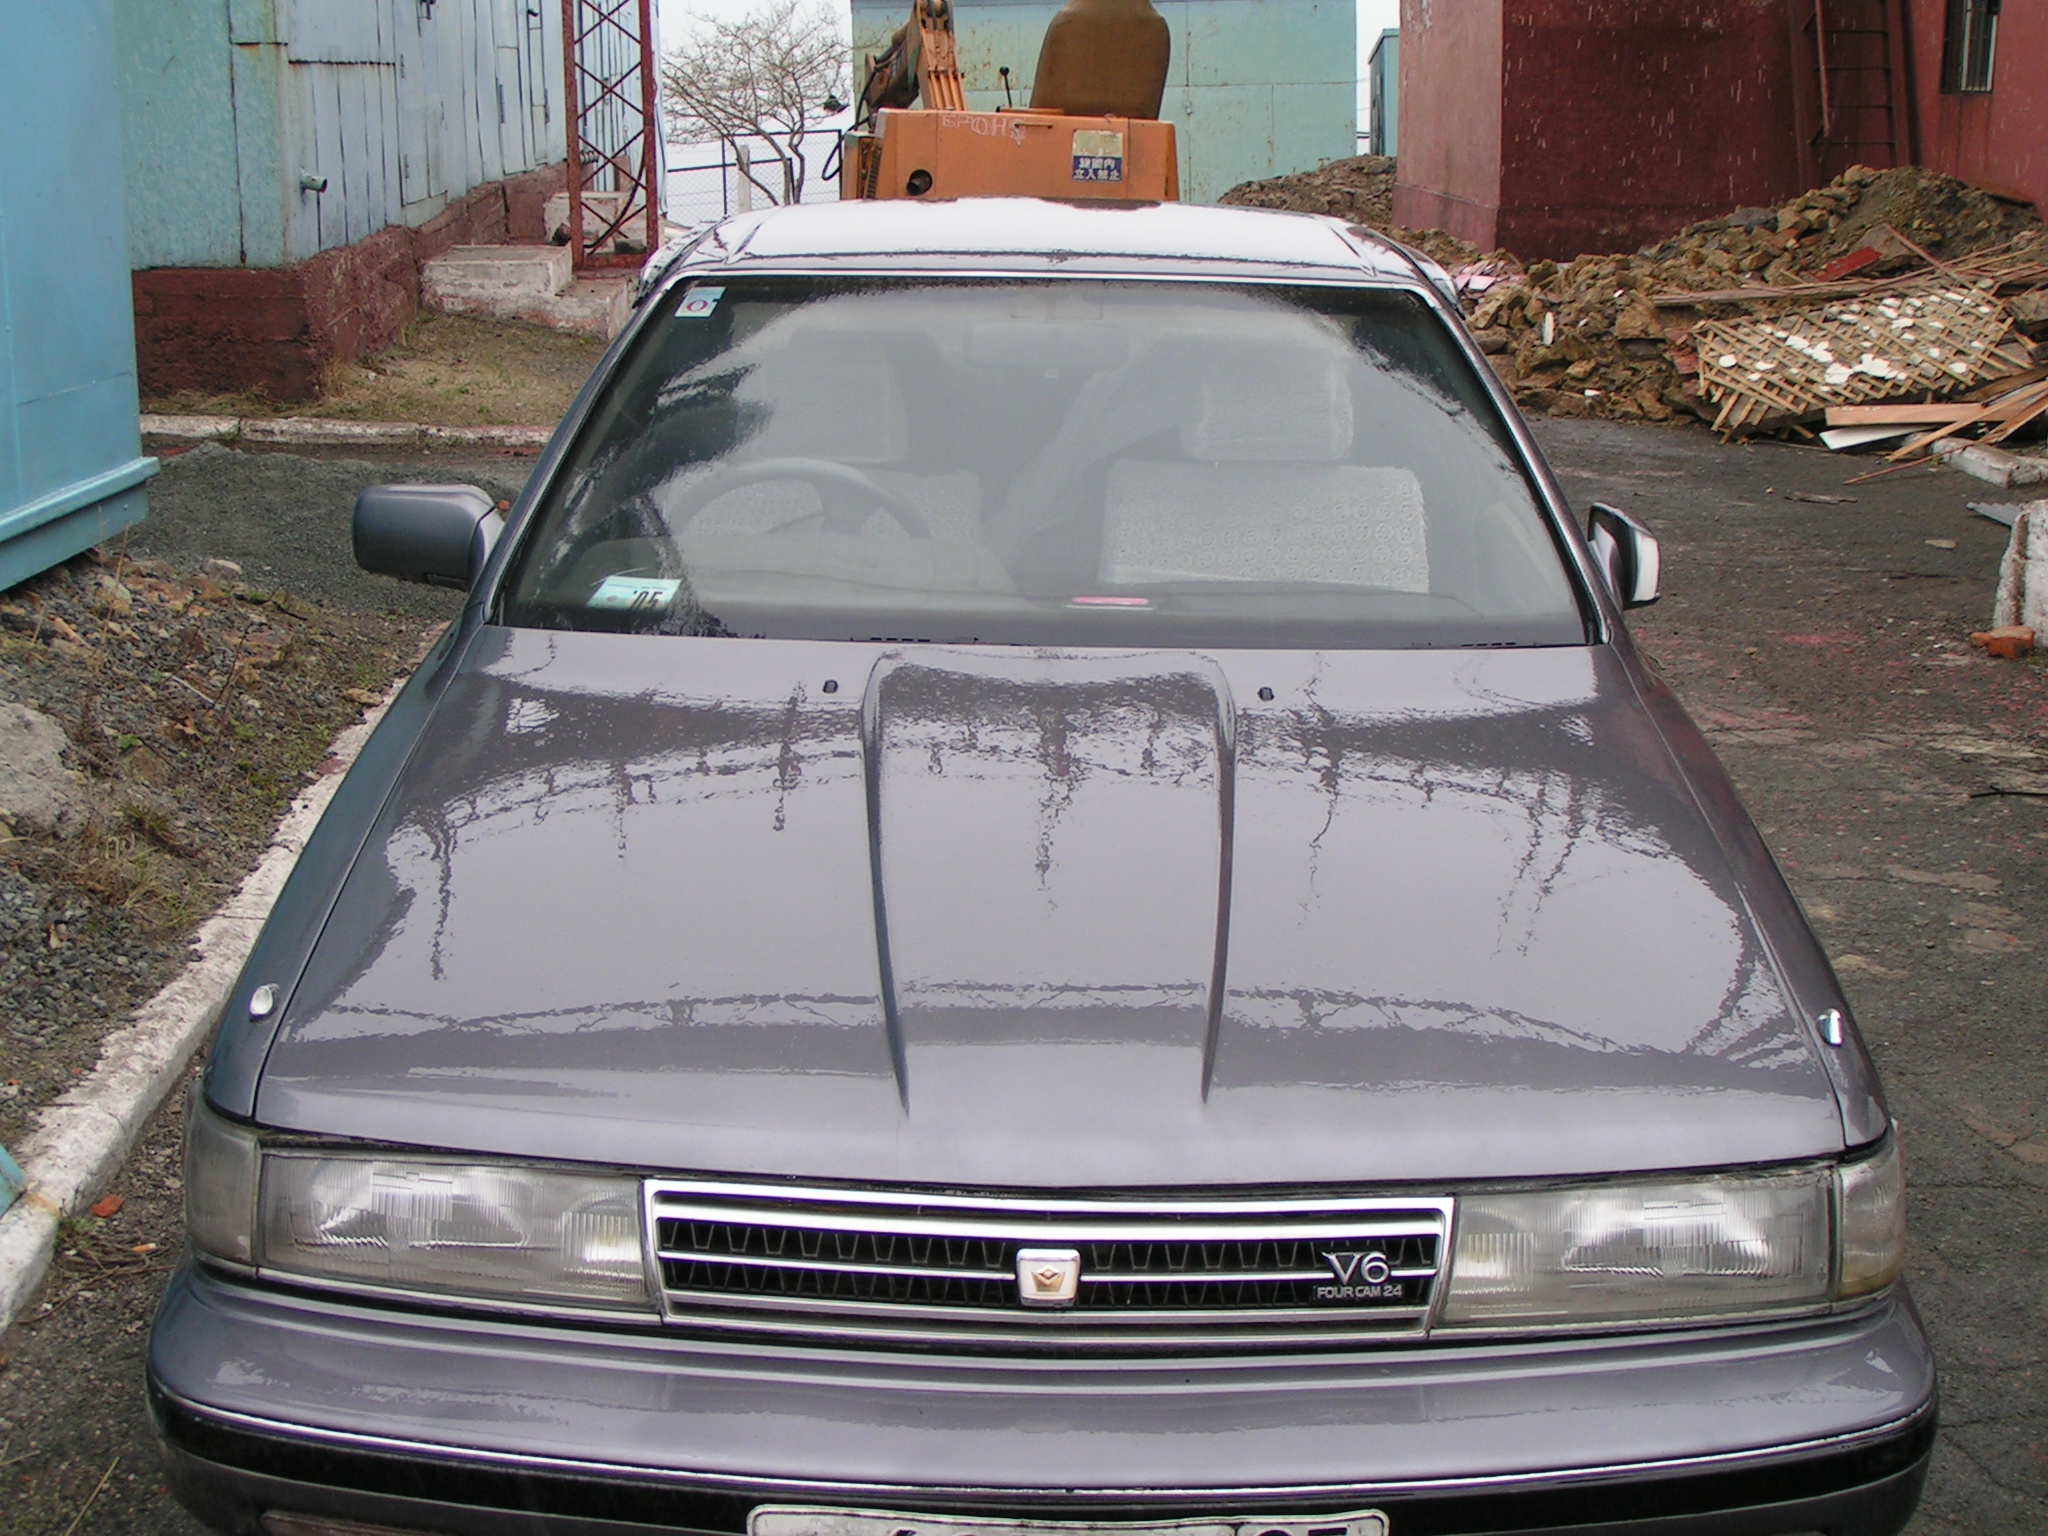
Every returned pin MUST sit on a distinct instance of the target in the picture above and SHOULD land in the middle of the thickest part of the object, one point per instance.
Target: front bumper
(269, 1400)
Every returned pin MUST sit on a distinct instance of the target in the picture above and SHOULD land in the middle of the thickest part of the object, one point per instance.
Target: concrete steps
(536, 283)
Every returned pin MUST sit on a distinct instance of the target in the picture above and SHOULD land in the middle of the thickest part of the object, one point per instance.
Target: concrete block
(2023, 573)
(595, 306)
(494, 277)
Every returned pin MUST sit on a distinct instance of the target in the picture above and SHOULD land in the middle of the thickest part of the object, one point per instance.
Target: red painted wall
(1558, 127)
(1998, 140)
(1624, 122)
(1450, 106)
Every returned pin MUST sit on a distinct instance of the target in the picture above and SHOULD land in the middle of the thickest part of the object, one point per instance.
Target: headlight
(1642, 1252)
(1681, 1248)
(1873, 1205)
(468, 1229)
(496, 1231)
(220, 1183)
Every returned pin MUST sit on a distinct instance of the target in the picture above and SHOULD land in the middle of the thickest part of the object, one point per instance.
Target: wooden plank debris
(2020, 416)
(2019, 406)
(1921, 415)
(1933, 338)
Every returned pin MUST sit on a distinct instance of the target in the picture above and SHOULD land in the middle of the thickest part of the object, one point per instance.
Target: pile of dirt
(1601, 335)
(192, 706)
(1360, 189)
(1604, 335)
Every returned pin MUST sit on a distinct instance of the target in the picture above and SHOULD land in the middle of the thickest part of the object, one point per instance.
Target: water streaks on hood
(1023, 918)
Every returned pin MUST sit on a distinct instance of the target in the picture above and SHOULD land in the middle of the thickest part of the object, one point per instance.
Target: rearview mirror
(1627, 552)
(437, 534)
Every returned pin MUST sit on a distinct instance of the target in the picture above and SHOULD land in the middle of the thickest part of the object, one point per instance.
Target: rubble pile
(1360, 189)
(1613, 335)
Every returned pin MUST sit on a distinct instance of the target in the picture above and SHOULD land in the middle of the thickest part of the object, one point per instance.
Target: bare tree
(772, 75)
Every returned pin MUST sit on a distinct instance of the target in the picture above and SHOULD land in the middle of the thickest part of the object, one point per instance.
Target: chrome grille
(944, 1268)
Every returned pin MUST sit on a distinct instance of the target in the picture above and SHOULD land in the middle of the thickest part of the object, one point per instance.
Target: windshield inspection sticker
(1098, 156)
(698, 303)
(638, 594)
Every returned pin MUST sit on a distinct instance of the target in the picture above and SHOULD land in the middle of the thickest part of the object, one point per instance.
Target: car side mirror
(437, 534)
(1627, 552)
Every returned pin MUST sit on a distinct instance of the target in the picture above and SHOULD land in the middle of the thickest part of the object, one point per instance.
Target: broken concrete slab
(37, 792)
(2023, 573)
(1995, 465)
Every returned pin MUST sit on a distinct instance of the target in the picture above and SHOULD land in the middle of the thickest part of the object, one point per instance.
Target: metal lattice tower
(614, 134)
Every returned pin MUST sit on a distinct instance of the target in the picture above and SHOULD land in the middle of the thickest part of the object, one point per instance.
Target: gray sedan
(1040, 891)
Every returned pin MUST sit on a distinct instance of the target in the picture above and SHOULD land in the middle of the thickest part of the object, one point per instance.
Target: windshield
(1056, 462)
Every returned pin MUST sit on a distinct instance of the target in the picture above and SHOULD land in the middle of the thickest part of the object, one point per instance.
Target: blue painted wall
(1257, 87)
(177, 95)
(230, 108)
(71, 464)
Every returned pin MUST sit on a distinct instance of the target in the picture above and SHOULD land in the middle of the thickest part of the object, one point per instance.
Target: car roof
(1003, 232)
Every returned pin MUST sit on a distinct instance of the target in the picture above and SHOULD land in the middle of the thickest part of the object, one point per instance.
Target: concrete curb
(81, 1140)
(317, 431)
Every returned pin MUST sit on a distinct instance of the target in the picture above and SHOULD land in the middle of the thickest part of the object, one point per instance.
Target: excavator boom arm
(920, 63)
(938, 61)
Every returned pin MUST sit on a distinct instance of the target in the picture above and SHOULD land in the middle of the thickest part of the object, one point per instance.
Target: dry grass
(446, 370)
(122, 861)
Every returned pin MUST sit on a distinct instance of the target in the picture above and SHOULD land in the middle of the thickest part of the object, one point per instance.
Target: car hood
(960, 917)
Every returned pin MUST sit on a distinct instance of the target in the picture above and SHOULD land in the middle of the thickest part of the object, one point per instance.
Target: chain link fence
(704, 182)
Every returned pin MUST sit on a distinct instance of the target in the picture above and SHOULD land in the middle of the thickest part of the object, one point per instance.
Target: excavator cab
(1092, 130)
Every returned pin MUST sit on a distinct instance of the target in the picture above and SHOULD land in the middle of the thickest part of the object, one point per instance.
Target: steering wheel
(848, 494)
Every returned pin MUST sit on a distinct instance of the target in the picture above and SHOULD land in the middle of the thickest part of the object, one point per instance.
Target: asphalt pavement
(1815, 630)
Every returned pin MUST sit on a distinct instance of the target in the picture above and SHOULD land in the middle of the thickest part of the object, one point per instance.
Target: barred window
(1972, 44)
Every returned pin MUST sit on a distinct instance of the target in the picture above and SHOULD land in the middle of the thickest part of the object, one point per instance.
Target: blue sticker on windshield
(698, 303)
(638, 594)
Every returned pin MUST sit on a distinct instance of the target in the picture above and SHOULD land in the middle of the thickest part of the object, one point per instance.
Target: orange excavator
(1092, 129)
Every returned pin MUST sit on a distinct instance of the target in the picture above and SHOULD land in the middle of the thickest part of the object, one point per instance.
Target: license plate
(810, 1520)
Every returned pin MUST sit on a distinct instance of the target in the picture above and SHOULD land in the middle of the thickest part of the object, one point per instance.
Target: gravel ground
(1898, 776)
(199, 668)
(195, 705)
(1821, 646)
(76, 1455)
(284, 518)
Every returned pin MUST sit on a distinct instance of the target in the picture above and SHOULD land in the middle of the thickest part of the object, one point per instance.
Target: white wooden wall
(405, 105)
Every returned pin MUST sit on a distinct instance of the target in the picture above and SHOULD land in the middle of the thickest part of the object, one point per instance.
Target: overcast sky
(1374, 16)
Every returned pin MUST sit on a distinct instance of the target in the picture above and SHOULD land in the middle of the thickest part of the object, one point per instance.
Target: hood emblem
(1363, 1268)
(1048, 1277)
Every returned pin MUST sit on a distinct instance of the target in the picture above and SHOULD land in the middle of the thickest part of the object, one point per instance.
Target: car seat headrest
(827, 404)
(1270, 404)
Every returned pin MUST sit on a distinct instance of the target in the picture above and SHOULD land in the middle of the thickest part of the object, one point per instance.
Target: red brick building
(1556, 127)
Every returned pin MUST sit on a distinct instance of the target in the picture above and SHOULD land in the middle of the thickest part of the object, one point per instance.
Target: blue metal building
(71, 463)
(290, 127)
(290, 163)
(1383, 70)
(1257, 87)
